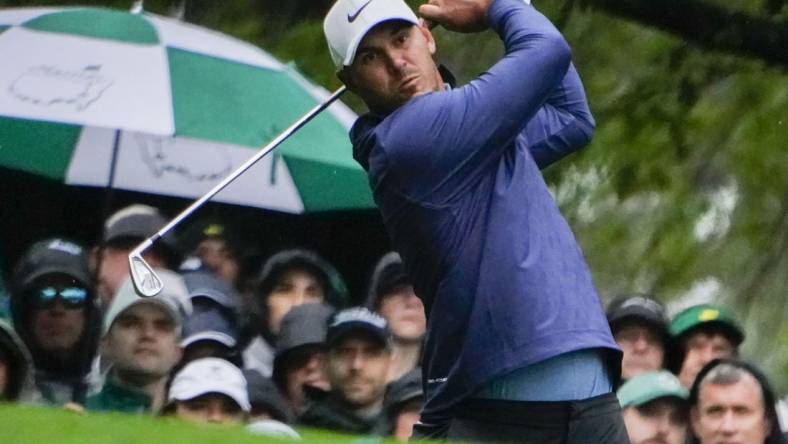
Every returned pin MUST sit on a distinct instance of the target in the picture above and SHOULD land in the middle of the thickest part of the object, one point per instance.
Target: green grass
(36, 425)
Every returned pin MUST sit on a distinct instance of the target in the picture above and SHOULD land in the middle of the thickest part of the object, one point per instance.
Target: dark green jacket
(117, 398)
(330, 414)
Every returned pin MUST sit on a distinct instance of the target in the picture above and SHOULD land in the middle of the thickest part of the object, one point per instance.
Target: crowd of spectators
(287, 349)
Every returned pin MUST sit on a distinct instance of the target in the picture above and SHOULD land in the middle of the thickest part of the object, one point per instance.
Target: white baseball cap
(210, 375)
(174, 299)
(349, 21)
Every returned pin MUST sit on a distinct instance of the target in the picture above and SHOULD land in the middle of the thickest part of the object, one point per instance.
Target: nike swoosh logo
(352, 17)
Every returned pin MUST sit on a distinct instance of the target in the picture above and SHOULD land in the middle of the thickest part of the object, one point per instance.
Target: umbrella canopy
(182, 104)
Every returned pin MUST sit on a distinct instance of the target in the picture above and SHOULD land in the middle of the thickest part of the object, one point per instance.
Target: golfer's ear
(424, 28)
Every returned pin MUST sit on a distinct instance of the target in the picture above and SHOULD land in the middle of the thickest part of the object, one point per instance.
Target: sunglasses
(71, 297)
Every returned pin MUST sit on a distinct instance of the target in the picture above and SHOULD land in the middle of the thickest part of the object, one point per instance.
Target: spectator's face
(114, 269)
(357, 367)
(701, 348)
(143, 342)
(404, 312)
(294, 287)
(662, 421)
(392, 65)
(58, 317)
(642, 347)
(213, 408)
(305, 368)
(215, 255)
(731, 413)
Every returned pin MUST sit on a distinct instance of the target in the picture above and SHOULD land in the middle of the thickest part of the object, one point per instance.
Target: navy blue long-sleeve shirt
(456, 177)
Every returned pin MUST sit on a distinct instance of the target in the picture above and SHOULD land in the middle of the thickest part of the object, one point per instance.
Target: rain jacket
(456, 177)
(19, 382)
(329, 414)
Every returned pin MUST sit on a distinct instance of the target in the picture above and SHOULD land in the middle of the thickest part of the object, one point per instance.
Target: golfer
(518, 348)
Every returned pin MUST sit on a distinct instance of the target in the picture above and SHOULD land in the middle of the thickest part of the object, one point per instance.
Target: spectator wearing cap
(732, 402)
(140, 340)
(702, 333)
(208, 292)
(208, 333)
(357, 365)
(123, 231)
(391, 294)
(288, 279)
(402, 405)
(640, 328)
(216, 250)
(655, 408)
(209, 390)
(15, 366)
(300, 353)
(54, 312)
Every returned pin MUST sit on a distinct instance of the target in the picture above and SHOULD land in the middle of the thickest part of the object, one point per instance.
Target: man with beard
(356, 365)
(141, 342)
(517, 344)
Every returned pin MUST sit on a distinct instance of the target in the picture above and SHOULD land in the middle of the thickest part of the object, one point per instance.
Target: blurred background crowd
(286, 346)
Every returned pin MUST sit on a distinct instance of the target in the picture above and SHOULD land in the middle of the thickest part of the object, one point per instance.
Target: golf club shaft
(240, 170)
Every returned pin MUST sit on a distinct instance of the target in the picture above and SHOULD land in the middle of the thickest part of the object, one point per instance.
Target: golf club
(145, 280)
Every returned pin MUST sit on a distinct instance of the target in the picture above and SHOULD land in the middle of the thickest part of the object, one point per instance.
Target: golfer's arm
(563, 125)
(492, 110)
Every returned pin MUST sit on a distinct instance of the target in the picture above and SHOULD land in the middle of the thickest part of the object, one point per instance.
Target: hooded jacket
(456, 177)
(19, 381)
(55, 384)
(259, 355)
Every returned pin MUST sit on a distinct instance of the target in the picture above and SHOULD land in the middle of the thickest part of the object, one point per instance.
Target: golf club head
(145, 280)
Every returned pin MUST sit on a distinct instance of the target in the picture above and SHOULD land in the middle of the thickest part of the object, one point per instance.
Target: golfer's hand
(456, 15)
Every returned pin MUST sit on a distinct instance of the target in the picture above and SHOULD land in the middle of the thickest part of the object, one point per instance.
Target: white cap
(210, 375)
(349, 21)
(174, 299)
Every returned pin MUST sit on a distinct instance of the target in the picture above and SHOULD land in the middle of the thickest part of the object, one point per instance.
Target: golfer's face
(393, 64)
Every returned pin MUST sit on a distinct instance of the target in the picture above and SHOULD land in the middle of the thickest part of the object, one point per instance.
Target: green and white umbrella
(186, 104)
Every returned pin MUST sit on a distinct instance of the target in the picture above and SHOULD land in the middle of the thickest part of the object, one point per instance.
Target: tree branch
(707, 25)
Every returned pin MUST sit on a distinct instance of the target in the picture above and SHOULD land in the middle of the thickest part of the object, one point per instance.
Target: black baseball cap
(54, 255)
(637, 308)
(356, 320)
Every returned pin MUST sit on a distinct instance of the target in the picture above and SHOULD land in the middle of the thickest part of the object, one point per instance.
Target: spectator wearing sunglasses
(54, 312)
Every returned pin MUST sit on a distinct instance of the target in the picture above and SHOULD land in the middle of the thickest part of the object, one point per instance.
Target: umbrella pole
(107, 205)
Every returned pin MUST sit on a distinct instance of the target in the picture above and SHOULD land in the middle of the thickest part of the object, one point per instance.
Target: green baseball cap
(706, 314)
(647, 387)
